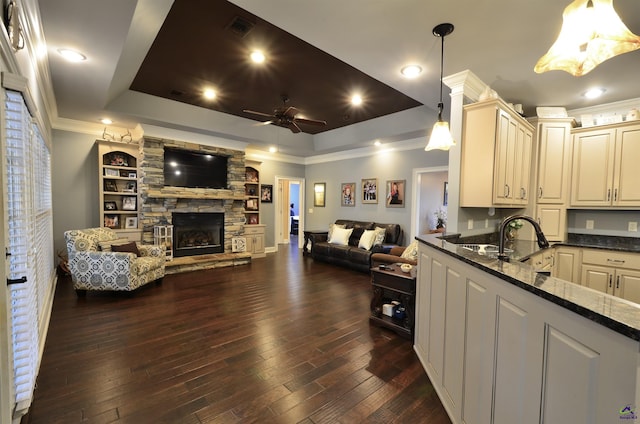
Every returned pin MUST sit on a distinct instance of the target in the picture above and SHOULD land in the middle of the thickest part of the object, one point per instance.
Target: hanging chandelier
(591, 33)
(440, 134)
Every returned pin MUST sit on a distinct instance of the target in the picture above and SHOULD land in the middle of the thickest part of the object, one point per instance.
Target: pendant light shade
(440, 135)
(591, 33)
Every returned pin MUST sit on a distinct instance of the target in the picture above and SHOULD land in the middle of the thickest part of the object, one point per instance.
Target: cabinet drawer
(248, 229)
(611, 258)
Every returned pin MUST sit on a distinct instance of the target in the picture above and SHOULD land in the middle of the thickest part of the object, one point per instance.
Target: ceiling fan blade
(260, 124)
(294, 128)
(253, 112)
(310, 121)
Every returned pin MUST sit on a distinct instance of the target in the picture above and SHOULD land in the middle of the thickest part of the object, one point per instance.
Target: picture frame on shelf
(319, 190)
(131, 222)
(395, 193)
(252, 204)
(132, 175)
(111, 221)
(110, 185)
(253, 219)
(130, 187)
(129, 203)
(266, 193)
(348, 194)
(369, 188)
(251, 176)
(110, 206)
(118, 159)
(108, 172)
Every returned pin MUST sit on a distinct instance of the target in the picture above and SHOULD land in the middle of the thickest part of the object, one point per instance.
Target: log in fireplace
(197, 233)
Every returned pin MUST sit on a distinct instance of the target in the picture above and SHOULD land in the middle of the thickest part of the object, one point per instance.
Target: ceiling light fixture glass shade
(591, 33)
(440, 134)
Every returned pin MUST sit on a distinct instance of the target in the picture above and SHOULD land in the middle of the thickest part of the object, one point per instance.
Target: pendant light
(440, 135)
(591, 33)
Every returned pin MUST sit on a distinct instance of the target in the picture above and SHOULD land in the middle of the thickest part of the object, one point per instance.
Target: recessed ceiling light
(356, 100)
(273, 149)
(257, 56)
(209, 94)
(411, 71)
(106, 121)
(377, 143)
(72, 55)
(594, 93)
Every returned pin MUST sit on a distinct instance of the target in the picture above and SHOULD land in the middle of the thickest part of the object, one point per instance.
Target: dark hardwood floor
(283, 340)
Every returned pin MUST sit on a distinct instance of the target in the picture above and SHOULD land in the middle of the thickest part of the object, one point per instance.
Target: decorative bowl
(406, 267)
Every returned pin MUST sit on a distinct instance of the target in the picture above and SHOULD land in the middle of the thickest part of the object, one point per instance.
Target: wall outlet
(589, 224)
(486, 223)
(310, 210)
(470, 224)
(633, 226)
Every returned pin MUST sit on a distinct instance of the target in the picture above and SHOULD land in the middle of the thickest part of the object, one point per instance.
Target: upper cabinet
(118, 188)
(605, 169)
(496, 156)
(554, 160)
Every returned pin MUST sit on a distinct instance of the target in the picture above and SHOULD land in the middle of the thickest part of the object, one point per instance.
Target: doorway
(290, 190)
(430, 195)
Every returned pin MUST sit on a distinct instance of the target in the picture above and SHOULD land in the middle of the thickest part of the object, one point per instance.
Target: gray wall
(74, 168)
(389, 165)
(610, 223)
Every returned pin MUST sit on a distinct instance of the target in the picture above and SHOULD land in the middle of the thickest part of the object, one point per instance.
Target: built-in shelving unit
(118, 188)
(252, 195)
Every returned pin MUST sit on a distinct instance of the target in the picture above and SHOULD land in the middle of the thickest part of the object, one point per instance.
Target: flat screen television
(186, 168)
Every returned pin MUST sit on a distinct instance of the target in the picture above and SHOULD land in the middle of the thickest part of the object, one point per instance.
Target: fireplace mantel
(182, 193)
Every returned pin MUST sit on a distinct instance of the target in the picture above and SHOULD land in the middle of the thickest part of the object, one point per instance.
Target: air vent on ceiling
(240, 26)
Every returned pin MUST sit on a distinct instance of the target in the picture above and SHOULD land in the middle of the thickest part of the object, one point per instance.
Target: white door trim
(415, 213)
(281, 209)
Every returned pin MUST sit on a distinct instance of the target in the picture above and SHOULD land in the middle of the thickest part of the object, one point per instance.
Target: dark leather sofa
(351, 256)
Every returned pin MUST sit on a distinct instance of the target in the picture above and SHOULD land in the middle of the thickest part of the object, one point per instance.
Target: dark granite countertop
(612, 312)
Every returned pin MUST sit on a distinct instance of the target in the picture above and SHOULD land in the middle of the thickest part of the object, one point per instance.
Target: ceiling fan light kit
(591, 33)
(440, 134)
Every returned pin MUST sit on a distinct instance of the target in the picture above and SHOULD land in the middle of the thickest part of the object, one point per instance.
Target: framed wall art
(319, 190)
(266, 193)
(348, 194)
(131, 222)
(369, 188)
(395, 193)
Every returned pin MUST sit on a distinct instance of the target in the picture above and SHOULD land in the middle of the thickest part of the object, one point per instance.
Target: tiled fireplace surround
(159, 202)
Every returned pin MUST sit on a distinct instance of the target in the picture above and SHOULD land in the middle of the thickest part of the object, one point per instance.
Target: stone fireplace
(197, 233)
(161, 205)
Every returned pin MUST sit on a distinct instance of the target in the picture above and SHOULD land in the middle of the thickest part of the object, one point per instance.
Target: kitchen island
(502, 343)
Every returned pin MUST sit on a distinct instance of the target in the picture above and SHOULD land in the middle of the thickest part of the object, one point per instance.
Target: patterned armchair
(94, 266)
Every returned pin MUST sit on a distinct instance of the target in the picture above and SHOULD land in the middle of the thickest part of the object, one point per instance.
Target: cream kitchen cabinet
(496, 156)
(566, 263)
(616, 273)
(605, 169)
(554, 160)
(553, 221)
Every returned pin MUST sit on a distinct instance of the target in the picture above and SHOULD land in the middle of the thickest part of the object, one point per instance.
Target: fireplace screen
(198, 233)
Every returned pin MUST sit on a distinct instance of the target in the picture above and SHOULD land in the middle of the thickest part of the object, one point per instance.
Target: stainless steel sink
(484, 249)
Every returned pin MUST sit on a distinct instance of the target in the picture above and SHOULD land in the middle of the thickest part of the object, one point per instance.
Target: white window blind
(29, 206)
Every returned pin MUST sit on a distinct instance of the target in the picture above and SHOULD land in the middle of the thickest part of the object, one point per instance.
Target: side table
(389, 285)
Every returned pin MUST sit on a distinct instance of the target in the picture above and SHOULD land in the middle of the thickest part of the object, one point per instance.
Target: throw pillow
(106, 245)
(411, 252)
(131, 247)
(380, 235)
(331, 227)
(366, 239)
(340, 236)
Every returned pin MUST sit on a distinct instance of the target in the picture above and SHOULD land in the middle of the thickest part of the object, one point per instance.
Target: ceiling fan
(285, 116)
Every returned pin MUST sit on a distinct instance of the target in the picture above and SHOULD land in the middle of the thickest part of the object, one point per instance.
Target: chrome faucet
(542, 240)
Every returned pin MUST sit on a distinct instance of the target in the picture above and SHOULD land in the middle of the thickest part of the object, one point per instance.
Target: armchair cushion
(128, 247)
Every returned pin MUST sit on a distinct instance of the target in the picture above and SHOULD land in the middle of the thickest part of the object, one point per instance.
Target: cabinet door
(506, 135)
(522, 165)
(566, 264)
(593, 161)
(552, 220)
(554, 162)
(627, 284)
(597, 277)
(626, 186)
(258, 243)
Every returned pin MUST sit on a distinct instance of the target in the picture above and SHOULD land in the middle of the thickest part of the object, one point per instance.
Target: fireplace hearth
(197, 233)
